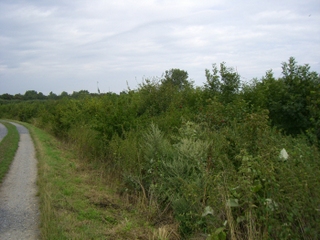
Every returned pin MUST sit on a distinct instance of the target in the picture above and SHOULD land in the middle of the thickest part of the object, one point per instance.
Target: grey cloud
(69, 45)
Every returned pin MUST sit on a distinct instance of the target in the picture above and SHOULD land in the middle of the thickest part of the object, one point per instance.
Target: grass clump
(8, 148)
(78, 201)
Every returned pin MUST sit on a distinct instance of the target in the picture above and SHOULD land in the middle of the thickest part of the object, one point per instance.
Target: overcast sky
(60, 45)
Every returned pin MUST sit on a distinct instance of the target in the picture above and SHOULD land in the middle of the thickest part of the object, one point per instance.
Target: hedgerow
(210, 156)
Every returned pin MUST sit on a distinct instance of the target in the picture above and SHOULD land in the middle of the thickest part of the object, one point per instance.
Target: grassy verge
(8, 148)
(78, 202)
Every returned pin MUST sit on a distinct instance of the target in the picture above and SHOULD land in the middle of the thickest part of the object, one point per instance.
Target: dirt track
(19, 214)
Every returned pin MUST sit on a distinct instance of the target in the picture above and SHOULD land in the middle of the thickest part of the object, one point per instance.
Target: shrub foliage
(211, 155)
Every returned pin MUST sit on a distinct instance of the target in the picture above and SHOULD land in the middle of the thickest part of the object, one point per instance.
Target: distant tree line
(34, 95)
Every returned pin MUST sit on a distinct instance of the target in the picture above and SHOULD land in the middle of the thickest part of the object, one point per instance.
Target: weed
(75, 202)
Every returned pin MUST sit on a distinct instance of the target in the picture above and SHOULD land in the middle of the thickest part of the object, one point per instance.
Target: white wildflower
(208, 210)
(283, 155)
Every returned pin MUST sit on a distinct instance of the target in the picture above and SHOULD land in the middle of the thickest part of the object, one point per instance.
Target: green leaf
(232, 202)
(256, 187)
(219, 234)
(208, 210)
(272, 205)
(219, 230)
(241, 219)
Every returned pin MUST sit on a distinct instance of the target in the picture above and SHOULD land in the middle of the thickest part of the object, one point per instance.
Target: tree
(6, 96)
(176, 77)
(299, 83)
(213, 80)
(226, 84)
(41, 96)
(291, 99)
(64, 94)
(18, 96)
(230, 82)
(30, 95)
(80, 94)
(52, 95)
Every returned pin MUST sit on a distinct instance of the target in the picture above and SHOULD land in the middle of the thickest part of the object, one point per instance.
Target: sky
(60, 45)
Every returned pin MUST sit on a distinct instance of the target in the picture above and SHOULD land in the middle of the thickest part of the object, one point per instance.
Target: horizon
(70, 46)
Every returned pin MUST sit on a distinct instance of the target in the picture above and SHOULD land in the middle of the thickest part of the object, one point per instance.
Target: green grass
(8, 148)
(78, 200)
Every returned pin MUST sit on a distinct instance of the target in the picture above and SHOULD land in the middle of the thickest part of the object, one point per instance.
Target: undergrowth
(228, 183)
(78, 200)
(228, 160)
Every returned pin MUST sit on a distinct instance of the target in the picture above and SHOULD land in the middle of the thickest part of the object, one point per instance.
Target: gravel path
(3, 131)
(19, 214)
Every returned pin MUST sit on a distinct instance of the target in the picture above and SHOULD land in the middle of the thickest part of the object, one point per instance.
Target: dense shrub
(210, 155)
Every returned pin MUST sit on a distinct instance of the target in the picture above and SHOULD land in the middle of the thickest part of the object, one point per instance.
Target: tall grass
(8, 148)
(78, 202)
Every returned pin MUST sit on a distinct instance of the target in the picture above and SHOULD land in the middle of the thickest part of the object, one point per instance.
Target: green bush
(207, 155)
(235, 171)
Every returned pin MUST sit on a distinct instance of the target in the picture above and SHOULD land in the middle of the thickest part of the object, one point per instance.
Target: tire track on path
(19, 211)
